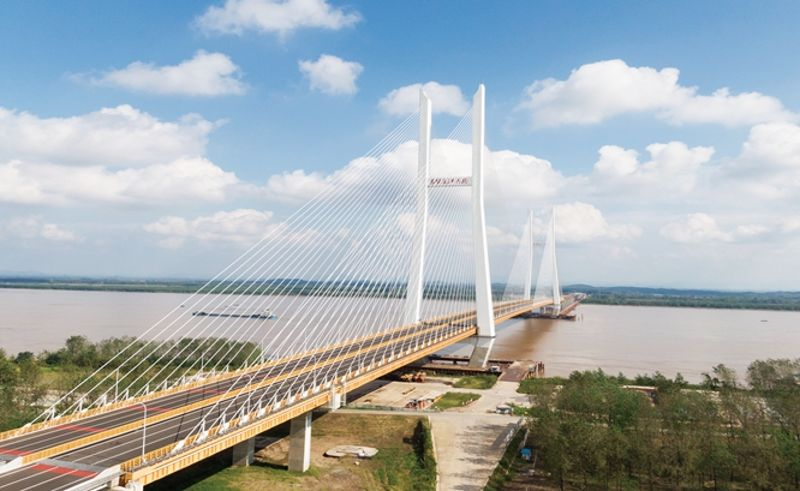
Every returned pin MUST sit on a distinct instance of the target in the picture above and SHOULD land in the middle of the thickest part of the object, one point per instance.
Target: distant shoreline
(620, 296)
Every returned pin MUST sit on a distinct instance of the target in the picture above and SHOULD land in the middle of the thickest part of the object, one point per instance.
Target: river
(630, 340)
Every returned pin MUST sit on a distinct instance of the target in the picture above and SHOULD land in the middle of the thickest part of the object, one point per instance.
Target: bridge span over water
(357, 295)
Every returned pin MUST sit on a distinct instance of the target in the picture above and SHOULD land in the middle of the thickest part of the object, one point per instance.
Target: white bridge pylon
(548, 285)
(416, 278)
(483, 285)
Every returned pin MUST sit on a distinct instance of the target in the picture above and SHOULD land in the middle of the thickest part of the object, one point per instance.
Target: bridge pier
(244, 453)
(300, 443)
(481, 351)
(130, 486)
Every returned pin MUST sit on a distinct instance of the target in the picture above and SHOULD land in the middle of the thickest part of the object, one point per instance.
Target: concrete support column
(244, 452)
(130, 486)
(481, 351)
(300, 443)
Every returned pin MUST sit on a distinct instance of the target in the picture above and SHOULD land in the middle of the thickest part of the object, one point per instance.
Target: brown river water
(617, 339)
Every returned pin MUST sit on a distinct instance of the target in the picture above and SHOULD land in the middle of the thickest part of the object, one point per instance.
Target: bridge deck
(65, 454)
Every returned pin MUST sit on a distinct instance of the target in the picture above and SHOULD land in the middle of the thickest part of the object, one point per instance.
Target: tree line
(590, 431)
(30, 382)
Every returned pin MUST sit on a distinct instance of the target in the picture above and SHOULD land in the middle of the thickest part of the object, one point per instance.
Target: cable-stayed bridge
(387, 263)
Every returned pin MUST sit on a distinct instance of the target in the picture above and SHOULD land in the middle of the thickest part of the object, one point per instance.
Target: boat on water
(236, 312)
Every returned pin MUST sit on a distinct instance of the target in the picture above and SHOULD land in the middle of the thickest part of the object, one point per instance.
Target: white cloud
(117, 136)
(436, 227)
(274, 16)
(750, 231)
(498, 237)
(516, 177)
(33, 227)
(114, 155)
(769, 163)
(331, 74)
(294, 187)
(242, 226)
(18, 187)
(183, 180)
(695, 228)
(446, 99)
(597, 91)
(582, 222)
(673, 167)
(513, 177)
(206, 74)
(790, 224)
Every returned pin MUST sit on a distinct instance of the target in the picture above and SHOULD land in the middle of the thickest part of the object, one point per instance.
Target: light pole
(144, 428)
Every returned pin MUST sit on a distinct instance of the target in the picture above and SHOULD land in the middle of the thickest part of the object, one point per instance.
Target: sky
(160, 139)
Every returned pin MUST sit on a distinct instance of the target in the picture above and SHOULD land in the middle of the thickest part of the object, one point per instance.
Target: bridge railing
(276, 407)
(463, 317)
(466, 319)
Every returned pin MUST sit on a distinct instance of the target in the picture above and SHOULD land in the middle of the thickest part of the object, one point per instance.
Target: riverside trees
(591, 431)
(28, 381)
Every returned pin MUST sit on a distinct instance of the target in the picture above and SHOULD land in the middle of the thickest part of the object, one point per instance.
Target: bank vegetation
(595, 431)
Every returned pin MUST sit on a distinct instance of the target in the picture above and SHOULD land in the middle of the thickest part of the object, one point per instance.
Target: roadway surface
(73, 467)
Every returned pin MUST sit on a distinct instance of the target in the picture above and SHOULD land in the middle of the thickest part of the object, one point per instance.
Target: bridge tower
(529, 265)
(416, 284)
(483, 284)
(556, 282)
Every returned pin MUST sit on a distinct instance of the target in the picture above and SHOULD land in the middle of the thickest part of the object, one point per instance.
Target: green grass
(539, 385)
(398, 470)
(217, 475)
(455, 399)
(507, 467)
(405, 461)
(480, 382)
(238, 478)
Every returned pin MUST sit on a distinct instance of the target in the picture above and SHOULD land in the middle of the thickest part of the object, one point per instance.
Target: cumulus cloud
(436, 226)
(513, 177)
(114, 155)
(281, 17)
(672, 167)
(582, 222)
(183, 180)
(446, 99)
(205, 74)
(332, 75)
(750, 231)
(769, 163)
(294, 186)
(598, 91)
(242, 226)
(34, 227)
(695, 228)
(117, 136)
(790, 224)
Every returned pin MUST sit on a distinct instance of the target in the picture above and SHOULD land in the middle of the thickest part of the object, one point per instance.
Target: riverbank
(619, 295)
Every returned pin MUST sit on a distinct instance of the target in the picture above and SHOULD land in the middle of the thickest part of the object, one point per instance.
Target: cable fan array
(328, 282)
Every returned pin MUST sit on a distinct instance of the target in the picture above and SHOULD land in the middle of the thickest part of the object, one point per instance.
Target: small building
(424, 401)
